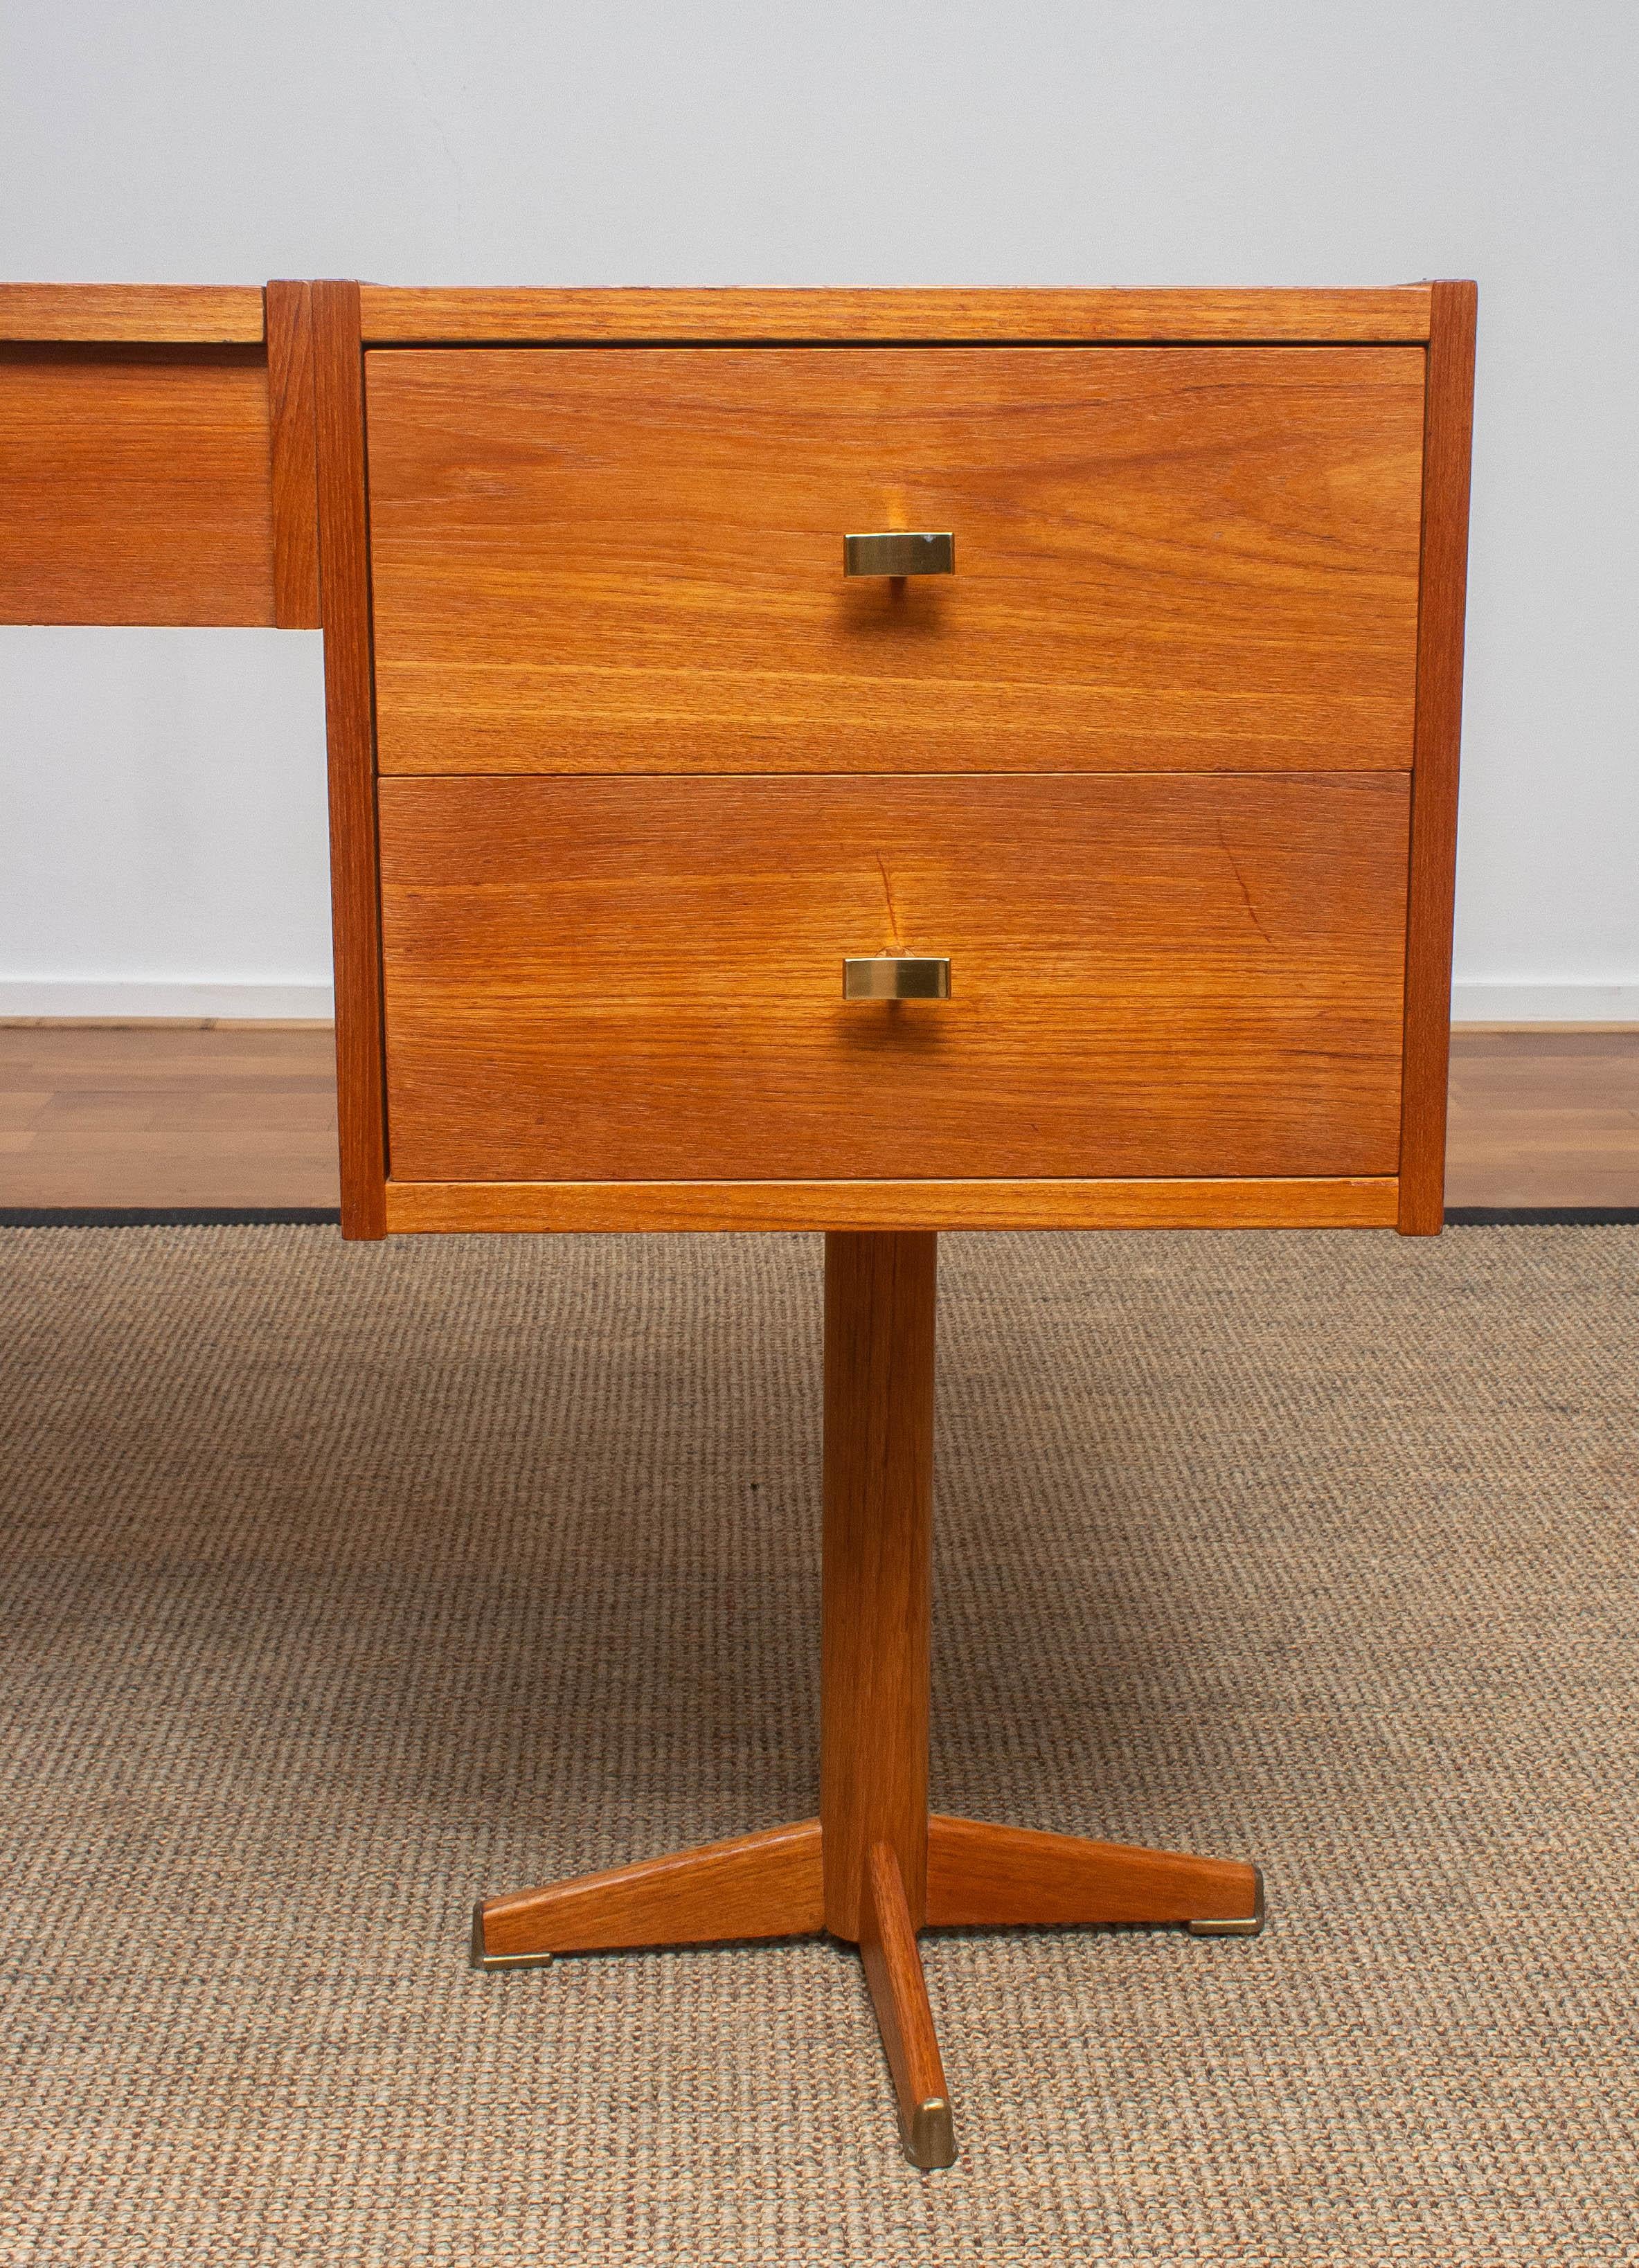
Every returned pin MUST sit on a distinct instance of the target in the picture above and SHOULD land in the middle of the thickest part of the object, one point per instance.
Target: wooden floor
(1544, 1115)
(167, 1114)
(245, 1115)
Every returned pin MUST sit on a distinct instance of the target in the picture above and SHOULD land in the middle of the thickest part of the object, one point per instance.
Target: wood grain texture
(294, 471)
(355, 904)
(981, 1876)
(422, 1208)
(893, 1970)
(632, 560)
(1400, 312)
(641, 980)
(1447, 449)
(134, 486)
(175, 314)
(877, 1590)
(761, 1885)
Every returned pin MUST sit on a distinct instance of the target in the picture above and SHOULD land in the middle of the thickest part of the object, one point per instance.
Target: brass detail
(930, 2138)
(1249, 1927)
(897, 976)
(898, 555)
(492, 1961)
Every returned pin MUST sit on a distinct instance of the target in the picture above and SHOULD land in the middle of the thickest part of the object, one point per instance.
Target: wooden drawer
(134, 485)
(631, 979)
(630, 560)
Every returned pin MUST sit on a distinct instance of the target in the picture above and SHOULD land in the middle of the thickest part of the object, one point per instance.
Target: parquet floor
(245, 1115)
(1544, 1115)
(167, 1114)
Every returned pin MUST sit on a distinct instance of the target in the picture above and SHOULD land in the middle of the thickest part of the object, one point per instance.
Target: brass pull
(897, 976)
(898, 555)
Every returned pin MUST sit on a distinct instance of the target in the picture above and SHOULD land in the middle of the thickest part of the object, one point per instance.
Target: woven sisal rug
(342, 1585)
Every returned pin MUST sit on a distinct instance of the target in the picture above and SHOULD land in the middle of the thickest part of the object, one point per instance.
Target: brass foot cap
(1247, 1927)
(930, 2138)
(493, 1961)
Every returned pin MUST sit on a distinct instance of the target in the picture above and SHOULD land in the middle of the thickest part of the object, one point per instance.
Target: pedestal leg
(873, 1868)
(880, 1297)
(876, 1611)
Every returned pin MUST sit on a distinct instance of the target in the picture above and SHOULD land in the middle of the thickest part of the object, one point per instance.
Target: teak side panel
(641, 979)
(590, 560)
(154, 314)
(421, 1208)
(355, 905)
(294, 470)
(1447, 452)
(134, 485)
(1400, 312)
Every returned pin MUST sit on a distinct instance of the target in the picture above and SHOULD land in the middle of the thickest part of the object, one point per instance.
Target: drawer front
(631, 560)
(642, 979)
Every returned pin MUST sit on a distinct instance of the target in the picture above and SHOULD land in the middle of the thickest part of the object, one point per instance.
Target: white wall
(163, 834)
(852, 142)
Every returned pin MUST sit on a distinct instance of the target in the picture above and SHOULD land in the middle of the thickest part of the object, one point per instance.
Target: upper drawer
(613, 559)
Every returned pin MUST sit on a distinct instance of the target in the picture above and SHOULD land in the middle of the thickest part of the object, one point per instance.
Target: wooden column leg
(877, 1587)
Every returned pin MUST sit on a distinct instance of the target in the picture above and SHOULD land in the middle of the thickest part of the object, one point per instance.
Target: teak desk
(874, 761)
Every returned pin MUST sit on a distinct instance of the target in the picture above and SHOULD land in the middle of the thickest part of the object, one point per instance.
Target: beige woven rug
(343, 1584)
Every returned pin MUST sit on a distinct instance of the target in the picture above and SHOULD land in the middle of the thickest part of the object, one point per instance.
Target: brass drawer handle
(898, 555)
(897, 976)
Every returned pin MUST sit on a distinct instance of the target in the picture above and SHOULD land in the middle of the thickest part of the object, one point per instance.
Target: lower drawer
(641, 979)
